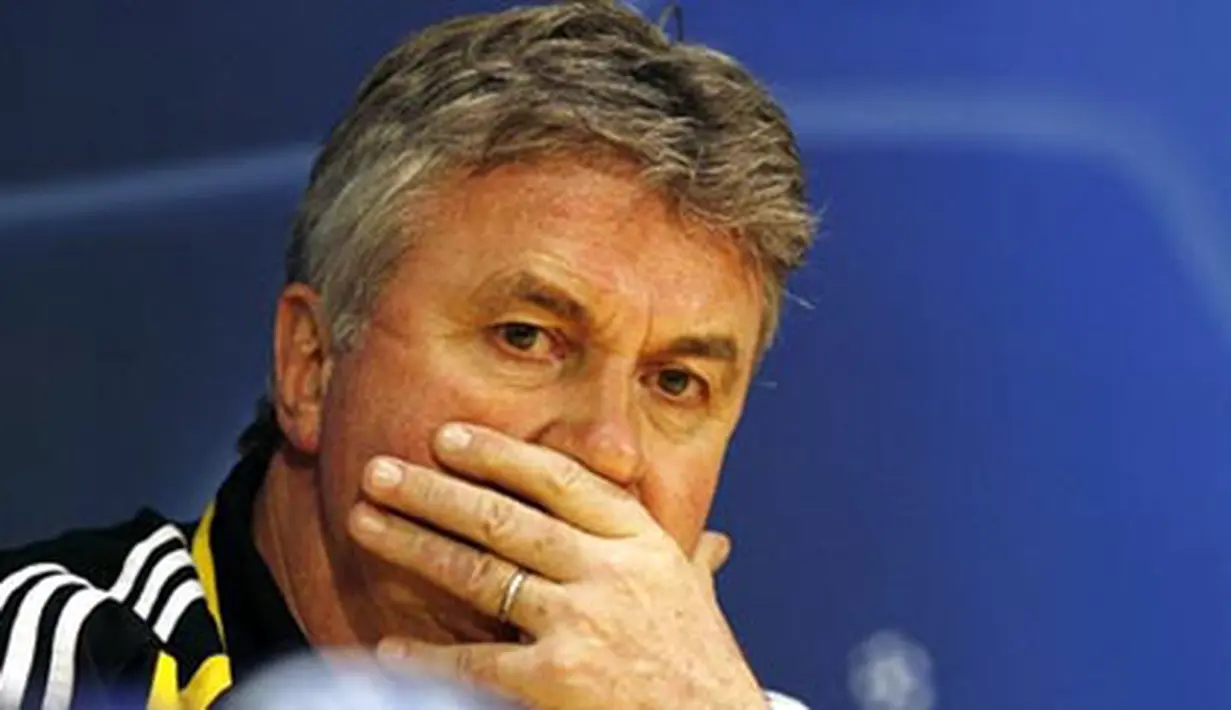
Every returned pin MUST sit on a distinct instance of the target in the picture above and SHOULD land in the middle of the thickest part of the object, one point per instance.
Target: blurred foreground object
(356, 683)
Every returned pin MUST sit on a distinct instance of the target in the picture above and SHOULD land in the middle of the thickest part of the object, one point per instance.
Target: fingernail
(368, 520)
(454, 437)
(385, 474)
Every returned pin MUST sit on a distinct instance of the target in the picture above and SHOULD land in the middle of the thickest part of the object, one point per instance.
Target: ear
(302, 366)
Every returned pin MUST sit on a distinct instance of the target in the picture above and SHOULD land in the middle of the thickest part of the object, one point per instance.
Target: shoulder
(96, 554)
(91, 609)
(137, 566)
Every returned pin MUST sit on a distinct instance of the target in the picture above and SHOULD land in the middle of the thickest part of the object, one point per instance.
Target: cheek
(679, 494)
(369, 415)
(390, 401)
(369, 411)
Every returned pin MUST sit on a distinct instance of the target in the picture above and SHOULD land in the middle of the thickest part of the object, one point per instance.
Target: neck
(339, 596)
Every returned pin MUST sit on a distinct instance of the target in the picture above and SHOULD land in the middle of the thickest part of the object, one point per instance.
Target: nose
(597, 426)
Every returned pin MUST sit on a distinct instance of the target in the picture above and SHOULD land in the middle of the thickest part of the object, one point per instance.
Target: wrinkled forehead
(597, 232)
(616, 236)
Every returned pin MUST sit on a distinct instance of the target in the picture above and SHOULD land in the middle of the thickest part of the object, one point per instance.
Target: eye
(679, 384)
(524, 338)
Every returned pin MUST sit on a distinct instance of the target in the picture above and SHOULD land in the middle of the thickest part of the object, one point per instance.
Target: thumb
(712, 551)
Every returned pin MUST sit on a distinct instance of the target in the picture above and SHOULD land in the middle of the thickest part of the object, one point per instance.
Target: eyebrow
(710, 347)
(528, 287)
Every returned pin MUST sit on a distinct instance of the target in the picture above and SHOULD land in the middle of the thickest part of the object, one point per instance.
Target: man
(527, 287)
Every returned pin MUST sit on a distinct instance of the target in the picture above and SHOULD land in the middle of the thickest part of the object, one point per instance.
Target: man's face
(567, 306)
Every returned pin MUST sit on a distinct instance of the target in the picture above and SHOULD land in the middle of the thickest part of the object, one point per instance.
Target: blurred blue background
(996, 424)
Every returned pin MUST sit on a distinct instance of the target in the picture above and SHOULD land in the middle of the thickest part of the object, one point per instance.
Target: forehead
(600, 232)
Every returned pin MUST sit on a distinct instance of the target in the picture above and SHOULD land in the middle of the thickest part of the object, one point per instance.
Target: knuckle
(572, 613)
(565, 608)
(425, 493)
(497, 521)
(628, 565)
(554, 544)
(483, 576)
(565, 663)
(570, 477)
(610, 563)
(464, 663)
(450, 565)
(621, 559)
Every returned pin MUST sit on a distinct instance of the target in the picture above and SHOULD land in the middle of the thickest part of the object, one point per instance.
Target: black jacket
(149, 613)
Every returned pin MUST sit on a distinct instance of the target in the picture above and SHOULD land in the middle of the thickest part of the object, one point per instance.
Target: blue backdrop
(987, 465)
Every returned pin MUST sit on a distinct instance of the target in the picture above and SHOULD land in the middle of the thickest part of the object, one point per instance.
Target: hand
(618, 616)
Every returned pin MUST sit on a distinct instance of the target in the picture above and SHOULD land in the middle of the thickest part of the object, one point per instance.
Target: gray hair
(576, 78)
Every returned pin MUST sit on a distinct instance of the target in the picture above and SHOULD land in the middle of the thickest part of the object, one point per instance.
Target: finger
(490, 519)
(500, 667)
(478, 578)
(713, 551)
(549, 478)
